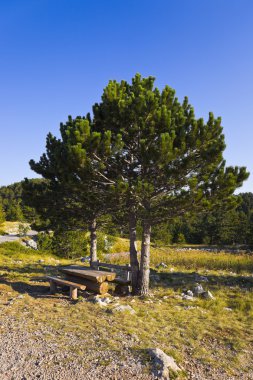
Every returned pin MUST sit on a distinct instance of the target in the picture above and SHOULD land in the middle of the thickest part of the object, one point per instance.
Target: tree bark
(93, 241)
(145, 260)
(133, 253)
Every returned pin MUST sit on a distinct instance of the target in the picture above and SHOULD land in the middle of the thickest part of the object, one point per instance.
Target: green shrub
(2, 232)
(70, 244)
(23, 229)
(180, 238)
(105, 242)
(44, 241)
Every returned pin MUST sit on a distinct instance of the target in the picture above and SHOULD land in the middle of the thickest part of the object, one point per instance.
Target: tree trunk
(145, 260)
(93, 241)
(133, 253)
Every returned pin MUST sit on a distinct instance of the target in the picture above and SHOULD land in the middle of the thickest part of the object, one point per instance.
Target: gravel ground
(28, 356)
(31, 349)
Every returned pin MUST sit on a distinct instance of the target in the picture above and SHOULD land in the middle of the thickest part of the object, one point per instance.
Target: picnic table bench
(94, 280)
(73, 286)
(122, 280)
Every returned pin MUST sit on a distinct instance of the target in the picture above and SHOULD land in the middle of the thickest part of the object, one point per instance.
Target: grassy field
(207, 336)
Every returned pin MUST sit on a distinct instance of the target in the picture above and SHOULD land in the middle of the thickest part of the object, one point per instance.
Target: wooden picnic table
(93, 279)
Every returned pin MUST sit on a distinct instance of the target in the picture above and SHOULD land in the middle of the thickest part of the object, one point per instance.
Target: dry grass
(216, 333)
(196, 259)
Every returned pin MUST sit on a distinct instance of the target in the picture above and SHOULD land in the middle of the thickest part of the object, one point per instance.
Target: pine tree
(170, 162)
(72, 194)
(2, 213)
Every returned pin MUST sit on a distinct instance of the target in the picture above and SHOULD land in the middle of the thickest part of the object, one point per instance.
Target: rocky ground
(28, 356)
(32, 350)
(201, 319)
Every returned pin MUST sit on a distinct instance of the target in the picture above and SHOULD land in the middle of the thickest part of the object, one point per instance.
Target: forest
(219, 227)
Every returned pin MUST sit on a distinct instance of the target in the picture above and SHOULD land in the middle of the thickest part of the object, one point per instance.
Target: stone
(198, 290)
(203, 279)
(186, 297)
(189, 293)
(162, 264)
(163, 364)
(85, 259)
(102, 301)
(123, 308)
(31, 244)
(207, 295)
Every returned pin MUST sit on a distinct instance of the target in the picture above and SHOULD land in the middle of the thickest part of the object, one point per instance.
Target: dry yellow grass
(216, 333)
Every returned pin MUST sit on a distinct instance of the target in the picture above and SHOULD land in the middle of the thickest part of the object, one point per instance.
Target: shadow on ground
(32, 287)
(177, 280)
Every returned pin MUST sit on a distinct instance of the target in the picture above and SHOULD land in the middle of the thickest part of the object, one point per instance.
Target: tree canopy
(143, 155)
(170, 162)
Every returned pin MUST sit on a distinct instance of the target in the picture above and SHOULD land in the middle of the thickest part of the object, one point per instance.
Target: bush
(180, 239)
(44, 241)
(105, 242)
(70, 244)
(23, 229)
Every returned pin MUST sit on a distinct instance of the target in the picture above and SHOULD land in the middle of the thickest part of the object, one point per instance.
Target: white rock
(198, 289)
(163, 364)
(121, 308)
(102, 301)
(31, 244)
(188, 298)
(162, 264)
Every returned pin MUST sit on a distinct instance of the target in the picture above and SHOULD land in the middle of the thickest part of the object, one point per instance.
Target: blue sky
(58, 55)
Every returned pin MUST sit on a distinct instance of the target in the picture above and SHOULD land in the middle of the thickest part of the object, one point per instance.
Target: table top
(88, 273)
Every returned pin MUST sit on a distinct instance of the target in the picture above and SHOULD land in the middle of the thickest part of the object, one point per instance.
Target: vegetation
(2, 213)
(214, 334)
(168, 161)
(219, 227)
(196, 259)
(12, 205)
(144, 156)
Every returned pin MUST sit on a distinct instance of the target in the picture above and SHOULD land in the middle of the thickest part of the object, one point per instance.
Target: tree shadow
(177, 280)
(34, 290)
(28, 269)
(21, 287)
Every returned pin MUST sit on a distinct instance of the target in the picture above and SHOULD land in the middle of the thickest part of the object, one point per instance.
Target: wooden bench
(122, 283)
(73, 286)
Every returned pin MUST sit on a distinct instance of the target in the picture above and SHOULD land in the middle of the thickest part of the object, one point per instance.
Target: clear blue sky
(58, 55)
